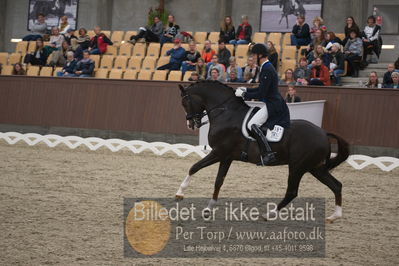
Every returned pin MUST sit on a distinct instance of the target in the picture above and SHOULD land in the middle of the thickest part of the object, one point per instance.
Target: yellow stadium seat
(121, 62)
(7, 70)
(3, 59)
(107, 33)
(102, 73)
(21, 47)
(214, 37)
(107, 61)
(287, 39)
(56, 70)
(259, 37)
(126, 49)
(139, 49)
(289, 52)
(130, 74)
(175, 75)
(46, 72)
(129, 34)
(14, 58)
(166, 47)
(135, 63)
(160, 75)
(115, 74)
(33, 71)
(187, 75)
(117, 37)
(215, 47)
(286, 64)
(149, 63)
(154, 49)
(200, 36)
(112, 50)
(340, 35)
(96, 58)
(185, 46)
(31, 47)
(242, 61)
(91, 33)
(230, 47)
(242, 51)
(163, 61)
(275, 37)
(145, 75)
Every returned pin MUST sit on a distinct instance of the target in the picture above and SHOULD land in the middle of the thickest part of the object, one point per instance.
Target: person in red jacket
(208, 52)
(320, 74)
(99, 43)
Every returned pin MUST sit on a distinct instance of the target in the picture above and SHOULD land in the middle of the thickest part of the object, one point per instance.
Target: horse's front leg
(210, 159)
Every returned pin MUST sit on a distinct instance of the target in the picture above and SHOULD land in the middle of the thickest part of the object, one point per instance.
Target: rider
(275, 111)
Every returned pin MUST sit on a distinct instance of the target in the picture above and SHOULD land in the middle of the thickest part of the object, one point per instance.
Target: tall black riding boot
(267, 155)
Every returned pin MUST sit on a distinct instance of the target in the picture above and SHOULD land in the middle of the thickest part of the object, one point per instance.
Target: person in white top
(64, 26)
(371, 38)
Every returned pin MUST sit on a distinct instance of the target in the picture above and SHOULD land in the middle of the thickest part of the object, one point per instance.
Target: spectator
(227, 30)
(387, 80)
(251, 68)
(397, 65)
(233, 78)
(300, 32)
(200, 68)
(56, 40)
(215, 74)
(288, 78)
(370, 36)
(39, 56)
(249, 77)
(350, 26)
(320, 52)
(191, 58)
(291, 96)
(395, 81)
(18, 70)
(59, 57)
(69, 67)
(244, 32)
(83, 39)
(337, 65)
(223, 54)
(353, 52)
(215, 64)
(98, 44)
(64, 25)
(194, 76)
(150, 34)
(373, 81)
(71, 39)
(207, 53)
(317, 40)
(39, 28)
(331, 39)
(85, 67)
(320, 74)
(177, 55)
(171, 30)
(234, 66)
(318, 24)
(273, 55)
(302, 73)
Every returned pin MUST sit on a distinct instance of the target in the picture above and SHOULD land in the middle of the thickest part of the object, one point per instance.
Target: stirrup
(267, 159)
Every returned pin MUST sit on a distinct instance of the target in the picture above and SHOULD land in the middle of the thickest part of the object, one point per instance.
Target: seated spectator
(395, 81)
(233, 78)
(71, 39)
(207, 53)
(223, 54)
(83, 43)
(177, 55)
(373, 81)
(317, 40)
(200, 68)
(387, 80)
(191, 58)
(249, 77)
(349, 27)
(64, 25)
(39, 28)
(331, 39)
(353, 52)
(39, 56)
(194, 76)
(227, 30)
(244, 32)
(302, 73)
(56, 40)
(320, 52)
(59, 57)
(234, 66)
(215, 64)
(69, 67)
(300, 32)
(150, 34)
(172, 29)
(273, 55)
(291, 96)
(371, 39)
(98, 44)
(337, 65)
(318, 24)
(288, 78)
(85, 67)
(252, 68)
(18, 70)
(320, 74)
(215, 74)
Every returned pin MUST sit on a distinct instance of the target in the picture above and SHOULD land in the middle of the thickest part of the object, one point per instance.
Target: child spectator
(331, 38)
(318, 24)
(194, 76)
(373, 81)
(395, 81)
(191, 58)
(85, 67)
(200, 68)
(353, 52)
(227, 30)
(234, 66)
(215, 74)
(371, 35)
(273, 55)
(98, 44)
(177, 55)
(337, 66)
(69, 67)
(172, 29)
(349, 27)
(215, 64)
(387, 80)
(249, 77)
(39, 56)
(251, 68)
(288, 78)
(291, 96)
(244, 32)
(64, 25)
(207, 53)
(320, 74)
(39, 28)
(150, 34)
(300, 32)
(59, 57)
(233, 78)
(302, 73)
(223, 54)
(18, 70)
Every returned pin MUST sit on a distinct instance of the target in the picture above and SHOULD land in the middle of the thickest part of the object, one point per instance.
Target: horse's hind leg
(332, 183)
(222, 172)
(210, 159)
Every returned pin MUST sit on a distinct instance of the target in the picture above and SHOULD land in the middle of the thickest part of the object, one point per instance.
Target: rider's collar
(267, 61)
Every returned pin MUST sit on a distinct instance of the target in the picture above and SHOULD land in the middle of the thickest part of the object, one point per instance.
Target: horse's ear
(182, 90)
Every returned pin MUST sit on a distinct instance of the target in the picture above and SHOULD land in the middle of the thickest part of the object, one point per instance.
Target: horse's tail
(342, 155)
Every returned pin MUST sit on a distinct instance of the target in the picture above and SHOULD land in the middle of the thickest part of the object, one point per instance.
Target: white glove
(242, 88)
(239, 92)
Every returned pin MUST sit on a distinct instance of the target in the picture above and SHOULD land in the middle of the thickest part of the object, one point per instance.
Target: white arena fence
(159, 148)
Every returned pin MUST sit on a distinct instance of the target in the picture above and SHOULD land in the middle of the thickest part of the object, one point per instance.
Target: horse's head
(193, 107)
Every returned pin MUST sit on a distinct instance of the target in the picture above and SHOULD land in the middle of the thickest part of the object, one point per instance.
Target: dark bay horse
(304, 146)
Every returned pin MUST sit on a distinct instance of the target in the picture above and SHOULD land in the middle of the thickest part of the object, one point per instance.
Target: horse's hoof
(179, 198)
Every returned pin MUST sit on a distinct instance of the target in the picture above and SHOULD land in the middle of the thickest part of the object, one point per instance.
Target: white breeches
(259, 118)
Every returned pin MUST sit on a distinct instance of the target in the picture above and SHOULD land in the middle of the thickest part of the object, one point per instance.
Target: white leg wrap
(183, 186)
(336, 215)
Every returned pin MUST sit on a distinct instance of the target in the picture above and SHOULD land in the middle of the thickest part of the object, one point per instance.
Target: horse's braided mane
(215, 82)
